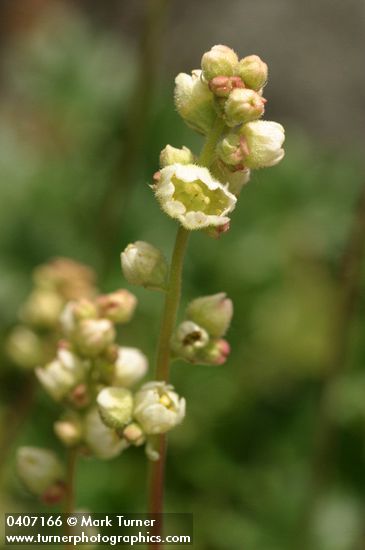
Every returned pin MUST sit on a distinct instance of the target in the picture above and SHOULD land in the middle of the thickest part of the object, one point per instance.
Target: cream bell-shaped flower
(188, 339)
(93, 336)
(42, 309)
(115, 406)
(194, 101)
(103, 441)
(25, 347)
(62, 374)
(158, 408)
(145, 265)
(130, 366)
(264, 143)
(38, 468)
(191, 195)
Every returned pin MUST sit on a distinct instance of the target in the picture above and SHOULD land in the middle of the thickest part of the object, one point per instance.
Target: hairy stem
(171, 305)
(172, 300)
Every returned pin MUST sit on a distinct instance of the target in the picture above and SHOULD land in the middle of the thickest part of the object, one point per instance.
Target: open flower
(191, 195)
(264, 143)
(158, 408)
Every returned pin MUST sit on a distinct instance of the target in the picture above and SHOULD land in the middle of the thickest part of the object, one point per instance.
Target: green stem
(172, 300)
(171, 305)
(207, 153)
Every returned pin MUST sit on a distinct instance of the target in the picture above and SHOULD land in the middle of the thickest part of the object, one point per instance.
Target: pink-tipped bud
(232, 150)
(93, 336)
(80, 396)
(220, 60)
(216, 232)
(134, 434)
(253, 72)
(222, 86)
(243, 105)
(117, 306)
(213, 313)
(216, 353)
(54, 494)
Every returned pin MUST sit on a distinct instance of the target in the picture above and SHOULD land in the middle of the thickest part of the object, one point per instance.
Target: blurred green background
(86, 104)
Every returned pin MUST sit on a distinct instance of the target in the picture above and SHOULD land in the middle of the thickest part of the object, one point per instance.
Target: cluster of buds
(34, 340)
(230, 90)
(93, 377)
(199, 339)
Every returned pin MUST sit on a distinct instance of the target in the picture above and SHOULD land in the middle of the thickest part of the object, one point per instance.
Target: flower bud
(80, 396)
(25, 347)
(42, 309)
(68, 278)
(54, 494)
(235, 177)
(115, 406)
(264, 142)
(77, 311)
(130, 366)
(215, 353)
(103, 441)
(188, 339)
(195, 102)
(118, 306)
(189, 194)
(157, 408)
(38, 469)
(217, 232)
(134, 434)
(214, 313)
(62, 374)
(93, 336)
(242, 106)
(220, 60)
(144, 265)
(222, 86)
(172, 155)
(253, 72)
(69, 430)
(232, 149)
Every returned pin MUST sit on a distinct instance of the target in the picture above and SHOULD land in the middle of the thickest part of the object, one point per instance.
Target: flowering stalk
(219, 101)
(172, 300)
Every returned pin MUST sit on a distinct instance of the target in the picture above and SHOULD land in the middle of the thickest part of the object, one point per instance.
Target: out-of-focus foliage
(241, 460)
